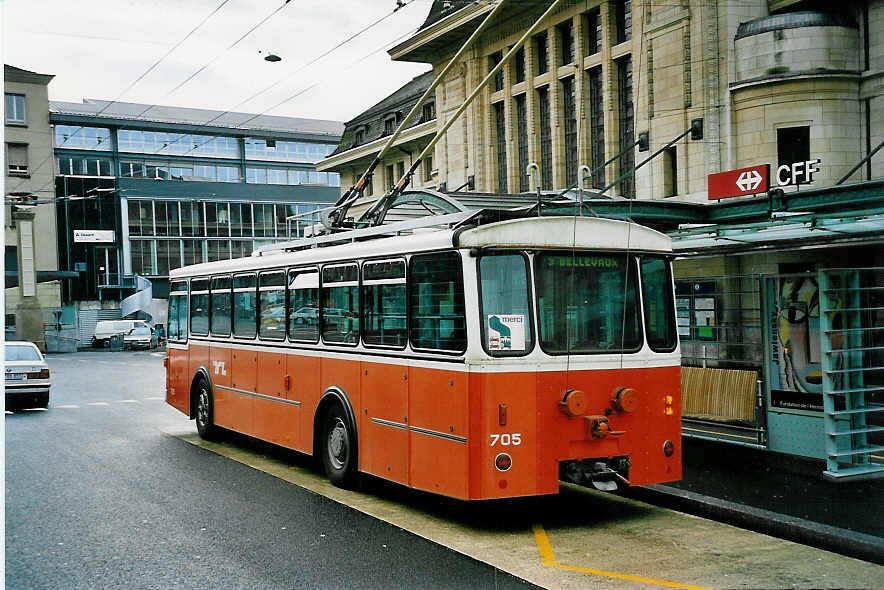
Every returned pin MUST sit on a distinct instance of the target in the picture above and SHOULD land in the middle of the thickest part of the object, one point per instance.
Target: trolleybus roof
(469, 229)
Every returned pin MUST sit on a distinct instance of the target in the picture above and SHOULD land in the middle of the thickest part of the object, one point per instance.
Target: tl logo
(219, 367)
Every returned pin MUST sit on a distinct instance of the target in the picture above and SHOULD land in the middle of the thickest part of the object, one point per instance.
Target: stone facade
(34, 133)
(748, 74)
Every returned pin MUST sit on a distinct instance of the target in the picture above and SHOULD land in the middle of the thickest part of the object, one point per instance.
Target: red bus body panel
(432, 429)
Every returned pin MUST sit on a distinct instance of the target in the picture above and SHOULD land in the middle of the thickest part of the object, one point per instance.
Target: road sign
(738, 183)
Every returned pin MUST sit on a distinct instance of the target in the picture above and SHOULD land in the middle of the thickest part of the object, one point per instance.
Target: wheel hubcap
(202, 409)
(338, 444)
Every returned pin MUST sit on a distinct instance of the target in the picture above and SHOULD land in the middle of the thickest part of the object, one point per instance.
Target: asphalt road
(99, 494)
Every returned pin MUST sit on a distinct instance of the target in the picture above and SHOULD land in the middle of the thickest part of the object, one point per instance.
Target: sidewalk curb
(830, 538)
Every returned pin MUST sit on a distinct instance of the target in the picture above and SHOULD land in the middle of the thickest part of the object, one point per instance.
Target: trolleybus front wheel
(205, 411)
(338, 447)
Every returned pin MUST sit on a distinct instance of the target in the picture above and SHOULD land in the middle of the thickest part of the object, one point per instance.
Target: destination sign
(581, 261)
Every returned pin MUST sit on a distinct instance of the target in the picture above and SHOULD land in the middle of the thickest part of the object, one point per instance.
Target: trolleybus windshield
(587, 303)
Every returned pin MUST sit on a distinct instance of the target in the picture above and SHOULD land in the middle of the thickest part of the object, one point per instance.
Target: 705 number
(506, 439)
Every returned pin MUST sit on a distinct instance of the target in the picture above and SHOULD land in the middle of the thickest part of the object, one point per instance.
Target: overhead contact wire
(137, 80)
(231, 46)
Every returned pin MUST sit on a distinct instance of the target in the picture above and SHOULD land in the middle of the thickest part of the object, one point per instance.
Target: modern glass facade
(222, 195)
(162, 232)
(286, 151)
(161, 143)
(153, 152)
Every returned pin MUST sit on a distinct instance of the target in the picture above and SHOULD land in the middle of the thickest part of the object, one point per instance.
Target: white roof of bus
(530, 232)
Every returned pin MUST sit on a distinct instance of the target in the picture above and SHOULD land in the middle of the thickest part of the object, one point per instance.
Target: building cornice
(438, 29)
(369, 150)
(14, 74)
(794, 77)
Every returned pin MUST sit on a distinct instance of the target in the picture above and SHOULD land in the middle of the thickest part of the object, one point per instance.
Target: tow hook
(599, 427)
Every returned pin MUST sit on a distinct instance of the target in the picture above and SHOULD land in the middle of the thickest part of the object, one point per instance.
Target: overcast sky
(97, 48)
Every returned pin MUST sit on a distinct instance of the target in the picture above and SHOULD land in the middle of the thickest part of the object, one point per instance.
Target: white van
(107, 328)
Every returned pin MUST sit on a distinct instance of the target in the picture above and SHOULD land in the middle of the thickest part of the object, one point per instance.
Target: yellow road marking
(548, 559)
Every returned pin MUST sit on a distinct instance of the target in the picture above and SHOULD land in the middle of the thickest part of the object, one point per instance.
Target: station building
(144, 189)
(366, 134)
(750, 133)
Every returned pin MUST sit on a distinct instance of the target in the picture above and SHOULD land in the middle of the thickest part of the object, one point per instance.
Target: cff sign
(797, 172)
(738, 183)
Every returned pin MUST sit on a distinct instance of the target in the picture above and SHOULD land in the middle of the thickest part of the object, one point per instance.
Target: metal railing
(115, 280)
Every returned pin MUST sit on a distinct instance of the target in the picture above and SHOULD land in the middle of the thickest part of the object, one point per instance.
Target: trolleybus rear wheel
(205, 411)
(338, 447)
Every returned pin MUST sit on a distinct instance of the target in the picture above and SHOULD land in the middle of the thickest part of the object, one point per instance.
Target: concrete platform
(578, 539)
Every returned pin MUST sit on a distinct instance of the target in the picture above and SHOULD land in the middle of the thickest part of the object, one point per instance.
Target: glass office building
(143, 189)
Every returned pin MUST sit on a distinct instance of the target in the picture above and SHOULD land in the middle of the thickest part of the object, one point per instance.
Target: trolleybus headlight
(668, 448)
(625, 399)
(573, 403)
(503, 462)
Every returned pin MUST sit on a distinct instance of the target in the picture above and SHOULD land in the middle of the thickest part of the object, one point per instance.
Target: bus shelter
(782, 333)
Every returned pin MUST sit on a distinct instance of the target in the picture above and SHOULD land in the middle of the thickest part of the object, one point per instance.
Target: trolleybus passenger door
(177, 382)
(275, 420)
(244, 358)
(384, 450)
(303, 370)
(438, 391)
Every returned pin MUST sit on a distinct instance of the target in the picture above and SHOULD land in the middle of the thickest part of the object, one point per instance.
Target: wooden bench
(723, 395)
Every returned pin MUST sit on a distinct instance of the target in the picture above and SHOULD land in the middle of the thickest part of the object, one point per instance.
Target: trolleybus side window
(219, 319)
(340, 304)
(436, 301)
(271, 305)
(659, 307)
(587, 303)
(303, 305)
(506, 304)
(245, 306)
(384, 299)
(178, 311)
(199, 307)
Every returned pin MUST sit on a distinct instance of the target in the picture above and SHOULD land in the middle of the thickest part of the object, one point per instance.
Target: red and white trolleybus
(487, 358)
